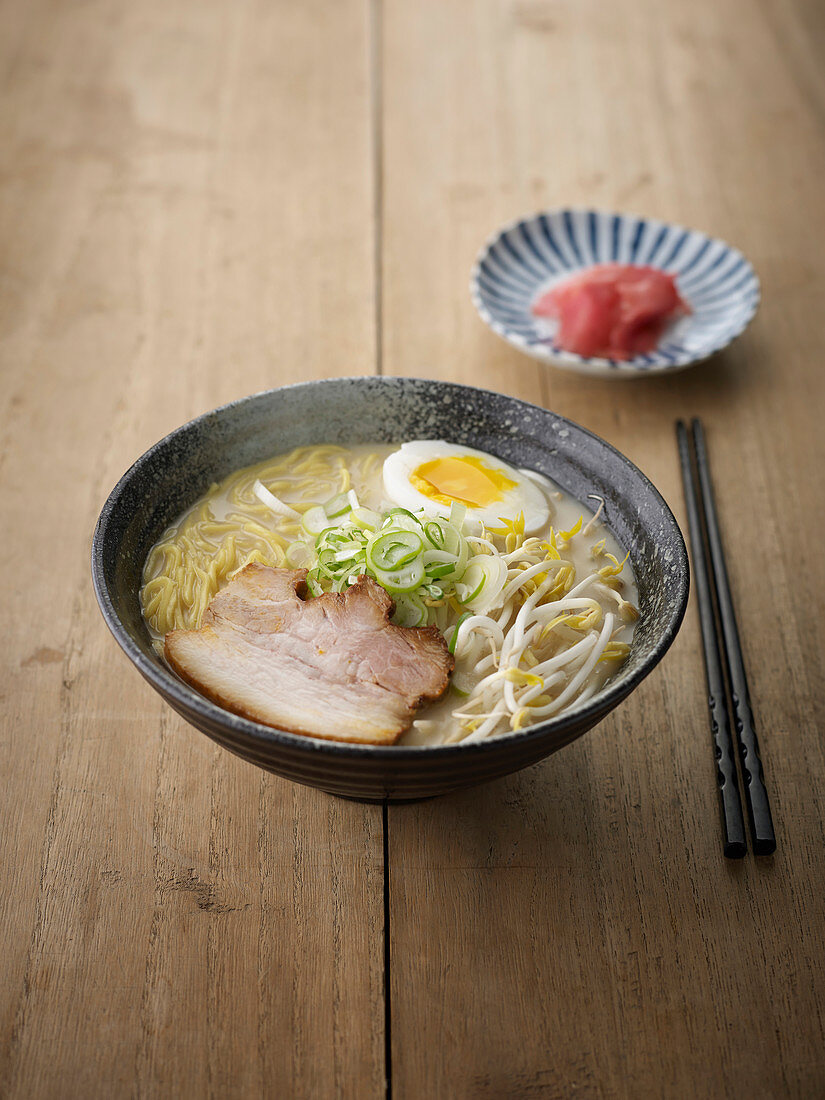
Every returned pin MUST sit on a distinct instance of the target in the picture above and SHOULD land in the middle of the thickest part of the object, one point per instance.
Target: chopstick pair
(711, 580)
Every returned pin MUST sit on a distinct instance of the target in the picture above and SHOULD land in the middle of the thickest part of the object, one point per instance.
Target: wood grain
(199, 200)
(574, 930)
(186, 213)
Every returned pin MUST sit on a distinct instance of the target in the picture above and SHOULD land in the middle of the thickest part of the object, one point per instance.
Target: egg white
(525, 497)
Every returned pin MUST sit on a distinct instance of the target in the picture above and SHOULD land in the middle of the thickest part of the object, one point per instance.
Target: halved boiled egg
(432, 474)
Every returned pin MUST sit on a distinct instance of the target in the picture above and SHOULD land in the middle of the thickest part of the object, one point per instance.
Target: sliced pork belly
(331, 666)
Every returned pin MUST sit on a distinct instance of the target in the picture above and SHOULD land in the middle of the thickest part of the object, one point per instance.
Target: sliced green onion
(365, 519)
(447, 565)
(338, 506)
(298, 554)
(437, 570)
(482, 582)
(349, 552)
(390, 550)
(314, 583)
(406, 579)
(402, 520)
(458, 512)
(327, 565)
(435, 533)
(315, 520)
(410, 611)
(454, 638)
(275, 504)
(443, 536)
(332, 536)
(472, 585)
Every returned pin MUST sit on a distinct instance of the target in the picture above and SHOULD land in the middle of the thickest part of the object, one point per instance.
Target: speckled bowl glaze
(181, 467)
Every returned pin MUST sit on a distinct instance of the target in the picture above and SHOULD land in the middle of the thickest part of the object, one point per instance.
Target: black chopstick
(733, 823)
(756, 794)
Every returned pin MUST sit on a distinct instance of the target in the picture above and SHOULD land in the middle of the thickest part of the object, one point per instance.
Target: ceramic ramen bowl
(180, 468)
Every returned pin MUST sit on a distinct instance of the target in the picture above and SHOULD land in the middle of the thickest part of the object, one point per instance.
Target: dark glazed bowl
(181, 467)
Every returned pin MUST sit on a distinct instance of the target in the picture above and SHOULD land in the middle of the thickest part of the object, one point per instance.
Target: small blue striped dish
(526, 258)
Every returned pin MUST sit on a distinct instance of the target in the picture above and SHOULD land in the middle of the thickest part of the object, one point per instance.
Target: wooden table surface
(199, 200)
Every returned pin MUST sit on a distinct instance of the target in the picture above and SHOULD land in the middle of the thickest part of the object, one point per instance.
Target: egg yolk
(464, 478)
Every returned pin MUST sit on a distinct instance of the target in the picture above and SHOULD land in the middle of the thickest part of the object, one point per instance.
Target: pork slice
(332, 666)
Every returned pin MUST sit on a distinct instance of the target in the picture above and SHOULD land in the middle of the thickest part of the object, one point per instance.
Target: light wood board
(200, 200)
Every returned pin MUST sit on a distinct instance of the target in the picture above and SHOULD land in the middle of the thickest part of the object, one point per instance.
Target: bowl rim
(186, 698)
(593, 365)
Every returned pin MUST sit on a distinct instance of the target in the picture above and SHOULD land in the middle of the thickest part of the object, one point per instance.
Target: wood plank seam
(377, 124)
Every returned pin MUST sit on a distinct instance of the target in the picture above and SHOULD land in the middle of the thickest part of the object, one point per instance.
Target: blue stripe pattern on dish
(527, 257)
